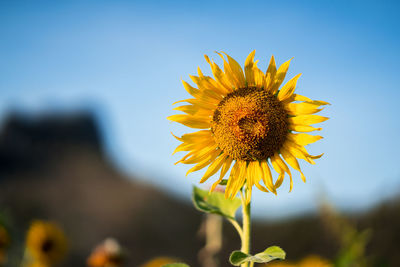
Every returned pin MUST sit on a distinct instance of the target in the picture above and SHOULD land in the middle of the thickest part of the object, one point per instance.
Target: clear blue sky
(125, 59)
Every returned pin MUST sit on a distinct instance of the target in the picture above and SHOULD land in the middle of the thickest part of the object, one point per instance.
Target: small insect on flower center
(250, 124)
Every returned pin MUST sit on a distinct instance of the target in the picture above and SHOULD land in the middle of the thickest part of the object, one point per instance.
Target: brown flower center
(250, 124)
(47, 246)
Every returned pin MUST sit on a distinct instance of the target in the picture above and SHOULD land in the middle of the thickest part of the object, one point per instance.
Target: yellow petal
(209, 92)
(197, 144)
(292, 161)
(238, 179)
(199, 102)
(267, 177)
(320, 102)
(193, 109)
(251, 173)
(225, 168)
(220, 76)
(190, 89)
(301, 149)
(250, 180)
(270, 74)
(232, 179)
(236, 70)
(303, 139)
(258, 171)
(298, 151)
(191, 121)
(316, 157)
(194, 146)
(315, 102)
(211, 85)
(177, 137)
(297, 97)
(199, 155)
(288, 89)
(285, 168)
(302, 108)
(248, 69)
(281, 173)
(205, 162)
(197, 135)
(280, 76)
(259, 77)
(307, 119)
(303, 128)
(278, 163)
(213, 168)
(247, 196)
(229, 73)
(262, 188)
(258, 174)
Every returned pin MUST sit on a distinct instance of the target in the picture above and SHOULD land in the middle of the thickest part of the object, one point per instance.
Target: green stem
(237, 227)
(246, 228)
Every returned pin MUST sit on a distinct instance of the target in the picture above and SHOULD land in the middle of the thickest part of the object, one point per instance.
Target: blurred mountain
(30, 142)
(54, 167)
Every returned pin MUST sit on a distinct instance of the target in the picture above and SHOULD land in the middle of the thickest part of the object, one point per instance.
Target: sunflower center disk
(250, 124)
(47, 246)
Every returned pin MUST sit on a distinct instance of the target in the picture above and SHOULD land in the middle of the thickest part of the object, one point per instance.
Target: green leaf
(175, 265)
(272, 253)
(215, 202)
(223, 182)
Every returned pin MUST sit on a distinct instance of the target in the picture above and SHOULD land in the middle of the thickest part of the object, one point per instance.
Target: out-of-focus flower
(248, 120)
(4, 244)
(46, 242)
(38, 264)
(159, 261)
(309, 261)
(107, 254)
(314, 261)
(280, 264)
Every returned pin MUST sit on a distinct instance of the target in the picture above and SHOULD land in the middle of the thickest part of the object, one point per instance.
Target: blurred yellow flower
(314, 261)
(248, 121)
(107, 254)
(4, 243)
(280, 264)
(46, 242)
(309, 261)
(38, 264)
(159, 261)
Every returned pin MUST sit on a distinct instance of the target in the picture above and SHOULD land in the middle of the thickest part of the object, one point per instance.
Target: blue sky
(124, 60)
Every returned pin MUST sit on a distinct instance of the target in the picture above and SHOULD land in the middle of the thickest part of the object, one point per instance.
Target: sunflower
(314, 261)
(38, 264)
(280, 264)
(46, 242)
(107, 254)
(159, 262)
(247, 122)
(309, 261)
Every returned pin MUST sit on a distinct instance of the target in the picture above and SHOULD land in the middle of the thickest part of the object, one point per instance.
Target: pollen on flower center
(250, 124)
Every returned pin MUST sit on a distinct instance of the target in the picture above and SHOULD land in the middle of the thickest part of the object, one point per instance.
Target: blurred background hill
(54, 167)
